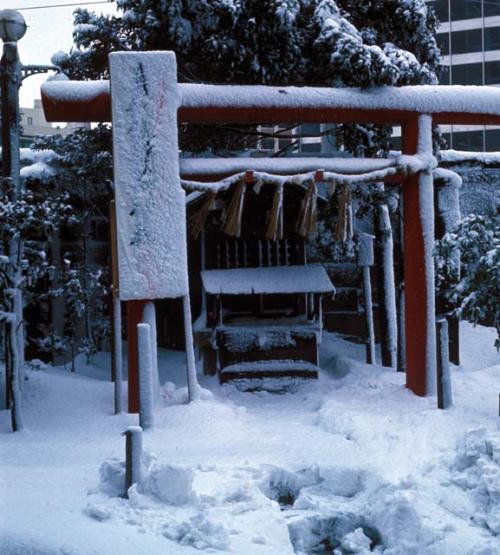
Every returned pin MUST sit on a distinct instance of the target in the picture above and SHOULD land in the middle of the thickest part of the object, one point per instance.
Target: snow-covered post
(365, 260)
(386, 287)
(192, 380)
(447, 184)
(146, 392)
(133, 456)
(150, 203)
(418, 205)
(444, 394)
(149, 318)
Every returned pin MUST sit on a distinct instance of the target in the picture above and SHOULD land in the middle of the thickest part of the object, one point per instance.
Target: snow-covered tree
(28, 219)
(82, 169)
(473, 292)
(280, 42)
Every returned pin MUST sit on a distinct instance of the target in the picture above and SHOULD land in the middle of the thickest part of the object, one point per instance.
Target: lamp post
(12, 72)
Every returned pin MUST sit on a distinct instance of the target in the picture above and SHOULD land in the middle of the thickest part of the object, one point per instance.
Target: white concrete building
(33, 123)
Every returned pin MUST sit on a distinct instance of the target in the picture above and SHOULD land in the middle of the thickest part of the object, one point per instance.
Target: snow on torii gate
(146, 104)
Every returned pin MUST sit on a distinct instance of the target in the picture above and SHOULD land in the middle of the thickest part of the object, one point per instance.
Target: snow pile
(350, 463)
(198, 532)
(172, 395)
(171, 484)
(476, 469)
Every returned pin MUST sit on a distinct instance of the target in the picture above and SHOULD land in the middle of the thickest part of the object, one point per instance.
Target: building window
(443, 42)
(491, 8)
(467, 74)
(463, 42)
(310, 147)
(492, 38)
(493, 140)
(444, 75)
(468, 140)
(466, 9)
(30, 120)
(492, 73)
(441, 10)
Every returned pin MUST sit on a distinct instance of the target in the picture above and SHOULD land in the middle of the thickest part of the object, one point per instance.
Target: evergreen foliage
(473, 291)
(272, 42)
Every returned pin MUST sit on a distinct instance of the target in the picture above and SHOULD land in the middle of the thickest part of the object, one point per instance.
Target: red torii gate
(415, 108)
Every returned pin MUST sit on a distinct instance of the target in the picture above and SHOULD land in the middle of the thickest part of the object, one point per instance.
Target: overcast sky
(49, 30)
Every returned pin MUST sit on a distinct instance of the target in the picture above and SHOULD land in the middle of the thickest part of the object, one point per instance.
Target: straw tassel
(275, 226)
(343, 229)
(198, 220)
(232, 223)
(308, 207)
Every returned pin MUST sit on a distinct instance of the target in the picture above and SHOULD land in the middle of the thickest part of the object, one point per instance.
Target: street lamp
(12, 72)
(12, 26)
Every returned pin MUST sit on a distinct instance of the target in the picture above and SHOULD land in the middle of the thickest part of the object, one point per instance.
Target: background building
(469, 39)
(33, 123)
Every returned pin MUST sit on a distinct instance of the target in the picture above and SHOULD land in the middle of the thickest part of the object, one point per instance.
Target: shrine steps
(268, 369)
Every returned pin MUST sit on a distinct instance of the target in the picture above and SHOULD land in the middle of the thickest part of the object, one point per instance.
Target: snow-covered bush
(472, 292)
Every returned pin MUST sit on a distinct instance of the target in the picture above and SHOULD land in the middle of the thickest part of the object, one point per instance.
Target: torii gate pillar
(418, 245)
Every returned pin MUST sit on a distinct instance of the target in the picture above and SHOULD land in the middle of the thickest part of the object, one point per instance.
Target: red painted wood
(70, 110)
(134, 316)
(414, 273)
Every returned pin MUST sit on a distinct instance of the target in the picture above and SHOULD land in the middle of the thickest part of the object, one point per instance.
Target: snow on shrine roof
(267, 280)
(194, 167)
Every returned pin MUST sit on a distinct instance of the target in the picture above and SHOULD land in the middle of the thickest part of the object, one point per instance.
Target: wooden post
(133, 453)
(454, 339)
(418, 263)
(365, 260)
(116, 319)
(444, 393)
(13, 384)
(134, 316)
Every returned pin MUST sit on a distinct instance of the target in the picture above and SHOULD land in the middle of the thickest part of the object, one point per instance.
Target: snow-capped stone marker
(146, 388)
(133, 456)
(366, 260)
(150, 203)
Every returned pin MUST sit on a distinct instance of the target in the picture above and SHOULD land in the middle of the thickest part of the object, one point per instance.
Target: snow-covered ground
(352, 463)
